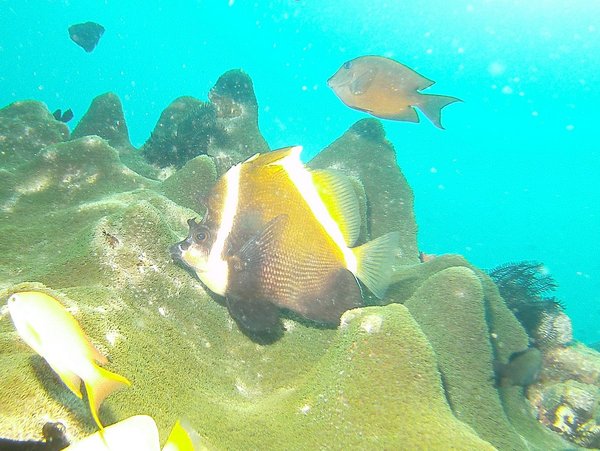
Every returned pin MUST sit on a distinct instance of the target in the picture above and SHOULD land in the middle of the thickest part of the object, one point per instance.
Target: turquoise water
(513, 177)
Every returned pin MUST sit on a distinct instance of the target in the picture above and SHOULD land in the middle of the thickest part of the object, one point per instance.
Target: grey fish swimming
(387, 89)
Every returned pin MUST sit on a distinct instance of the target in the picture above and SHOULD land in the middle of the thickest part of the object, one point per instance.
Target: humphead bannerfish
(278, 235)
(387, 89)
(51, 331)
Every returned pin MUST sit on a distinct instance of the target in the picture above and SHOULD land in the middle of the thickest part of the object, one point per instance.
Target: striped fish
(278, 235)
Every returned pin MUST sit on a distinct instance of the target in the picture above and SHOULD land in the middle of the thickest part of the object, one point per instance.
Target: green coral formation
(226, 127)
(79, 224)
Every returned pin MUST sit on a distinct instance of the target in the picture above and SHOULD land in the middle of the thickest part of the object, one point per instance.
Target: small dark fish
(86, 35)
(63, 117)
(523, 368)
(67, 115)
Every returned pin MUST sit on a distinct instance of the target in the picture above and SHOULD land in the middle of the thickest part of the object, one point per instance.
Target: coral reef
(104, 118)
(522, 285)
(567, 400)
(225, 128)
(79, 224)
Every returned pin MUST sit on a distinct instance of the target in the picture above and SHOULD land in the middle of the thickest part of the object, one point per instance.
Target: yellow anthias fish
(387, 89)
(278, 235)
(46, 325)
(138, 432)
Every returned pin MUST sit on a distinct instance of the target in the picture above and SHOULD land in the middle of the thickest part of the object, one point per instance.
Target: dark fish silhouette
(86, 35)
(63, 117)
(523, 368)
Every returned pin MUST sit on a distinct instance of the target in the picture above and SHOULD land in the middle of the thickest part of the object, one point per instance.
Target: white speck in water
(507, 90)
(570, 128)
(433, 170)
(305, 409)
(496, 68)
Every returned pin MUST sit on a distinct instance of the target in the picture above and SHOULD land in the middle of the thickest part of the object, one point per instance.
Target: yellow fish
(387, 89)
(45, 325)
(278, 235)
(138, 432)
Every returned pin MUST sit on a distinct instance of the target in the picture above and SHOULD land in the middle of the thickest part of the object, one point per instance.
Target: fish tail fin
(99, 386)
(374, 262)
(431, 105)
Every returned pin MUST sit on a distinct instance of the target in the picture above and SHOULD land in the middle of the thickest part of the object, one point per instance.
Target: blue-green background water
(514, 177)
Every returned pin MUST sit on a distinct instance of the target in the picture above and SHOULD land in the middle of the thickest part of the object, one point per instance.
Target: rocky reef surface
(88, 219)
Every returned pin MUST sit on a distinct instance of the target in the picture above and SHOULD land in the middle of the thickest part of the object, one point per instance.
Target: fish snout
(177, 249)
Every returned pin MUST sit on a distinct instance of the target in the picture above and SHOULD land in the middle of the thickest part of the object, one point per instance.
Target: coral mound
(80, 224)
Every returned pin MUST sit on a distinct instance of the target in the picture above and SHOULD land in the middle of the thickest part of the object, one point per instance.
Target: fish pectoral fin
(260, 245)
(253, 315)
(361, 84)
(375, 259)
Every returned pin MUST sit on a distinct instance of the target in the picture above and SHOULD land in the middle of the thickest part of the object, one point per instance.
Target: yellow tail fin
(374, 260)
(102, 384)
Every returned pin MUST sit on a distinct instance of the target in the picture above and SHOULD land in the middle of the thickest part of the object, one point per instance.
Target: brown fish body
(387, 89)
(277, 235)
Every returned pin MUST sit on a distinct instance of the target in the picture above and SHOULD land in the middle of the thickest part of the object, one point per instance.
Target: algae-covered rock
(237, 113)
(190, 186)
(105, 118)
(487, 331)
(25, 129)
(226, 127)
(450, 304)
(364, 153)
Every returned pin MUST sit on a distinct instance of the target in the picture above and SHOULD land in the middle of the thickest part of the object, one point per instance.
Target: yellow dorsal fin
(337, 193)
(374, 262)
(100, 386)
(272, 157)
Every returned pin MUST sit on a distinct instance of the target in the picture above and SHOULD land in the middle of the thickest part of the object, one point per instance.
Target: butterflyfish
(51, 331)
(277, 235)
(387, 89)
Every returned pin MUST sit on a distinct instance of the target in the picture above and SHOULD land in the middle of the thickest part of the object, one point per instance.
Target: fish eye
(201, 236)
(346, 65)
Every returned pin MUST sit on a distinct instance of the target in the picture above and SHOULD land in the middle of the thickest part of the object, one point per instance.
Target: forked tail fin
(99, 386)
(432, 104)
(374, 261)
